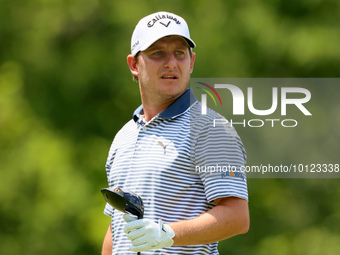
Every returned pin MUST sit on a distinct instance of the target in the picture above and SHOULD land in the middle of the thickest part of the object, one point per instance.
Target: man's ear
(192, 62)
(131, 60)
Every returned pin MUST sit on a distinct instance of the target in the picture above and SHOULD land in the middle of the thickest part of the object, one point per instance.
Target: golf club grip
(139, 217)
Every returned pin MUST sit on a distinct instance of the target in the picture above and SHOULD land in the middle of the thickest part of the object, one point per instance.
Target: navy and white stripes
(159, 160)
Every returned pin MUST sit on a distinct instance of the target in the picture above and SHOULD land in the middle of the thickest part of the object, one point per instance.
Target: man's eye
(158, 53)
(179, 52)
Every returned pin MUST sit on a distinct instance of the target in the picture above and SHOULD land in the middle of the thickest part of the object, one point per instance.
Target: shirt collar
(176, 108)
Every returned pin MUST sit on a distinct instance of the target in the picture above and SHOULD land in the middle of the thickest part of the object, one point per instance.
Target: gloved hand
(145, 234)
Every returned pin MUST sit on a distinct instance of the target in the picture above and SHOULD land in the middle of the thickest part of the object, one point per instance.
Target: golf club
(125, 201)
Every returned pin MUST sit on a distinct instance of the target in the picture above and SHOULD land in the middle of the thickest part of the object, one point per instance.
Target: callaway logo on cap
(156, 26)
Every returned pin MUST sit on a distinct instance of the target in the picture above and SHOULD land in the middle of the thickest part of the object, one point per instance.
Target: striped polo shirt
(178, 164)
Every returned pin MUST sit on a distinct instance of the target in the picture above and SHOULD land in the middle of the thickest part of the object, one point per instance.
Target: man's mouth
(169, 77)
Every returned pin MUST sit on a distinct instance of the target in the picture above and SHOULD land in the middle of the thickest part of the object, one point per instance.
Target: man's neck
(151, 110)
(153, 105)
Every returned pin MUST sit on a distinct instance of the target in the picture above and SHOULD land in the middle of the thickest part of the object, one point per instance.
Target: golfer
(171, 155)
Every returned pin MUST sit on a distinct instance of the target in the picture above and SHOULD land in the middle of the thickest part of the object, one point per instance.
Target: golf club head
(124, 200)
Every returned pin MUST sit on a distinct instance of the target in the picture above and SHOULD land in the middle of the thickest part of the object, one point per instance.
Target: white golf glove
(145, 234)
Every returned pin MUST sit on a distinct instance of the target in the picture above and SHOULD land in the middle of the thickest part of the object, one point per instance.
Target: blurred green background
(65, 90)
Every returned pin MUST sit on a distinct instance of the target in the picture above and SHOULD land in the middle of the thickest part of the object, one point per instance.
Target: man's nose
(170, 61)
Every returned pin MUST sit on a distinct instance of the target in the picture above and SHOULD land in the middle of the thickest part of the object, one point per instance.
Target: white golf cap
(156, 26)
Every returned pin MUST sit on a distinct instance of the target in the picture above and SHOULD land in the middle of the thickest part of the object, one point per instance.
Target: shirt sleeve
(220, 159)
(108, 210)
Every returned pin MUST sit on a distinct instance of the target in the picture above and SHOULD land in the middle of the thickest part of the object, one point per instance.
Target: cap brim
(152, 40)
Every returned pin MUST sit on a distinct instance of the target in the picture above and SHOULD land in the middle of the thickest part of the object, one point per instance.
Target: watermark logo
(204, 96)
(223, 171)
(242, 100)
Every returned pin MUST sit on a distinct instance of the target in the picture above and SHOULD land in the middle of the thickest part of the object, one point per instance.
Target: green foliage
(65, 90)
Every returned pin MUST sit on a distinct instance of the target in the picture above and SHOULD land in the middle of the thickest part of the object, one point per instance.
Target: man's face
(164, 68)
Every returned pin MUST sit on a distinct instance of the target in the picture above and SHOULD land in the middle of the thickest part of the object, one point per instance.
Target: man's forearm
(230, 217)
(107, 244)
